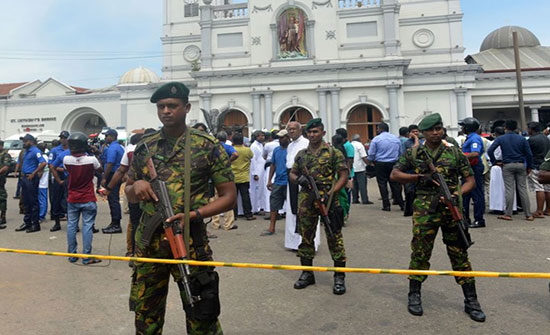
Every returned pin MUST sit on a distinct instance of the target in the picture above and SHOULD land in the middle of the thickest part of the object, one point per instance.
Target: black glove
(303, 181)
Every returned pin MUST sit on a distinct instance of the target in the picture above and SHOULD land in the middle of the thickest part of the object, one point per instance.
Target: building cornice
(512, 103)
(231, 23)
(180, 39)
(432, 51)
(485, 76)
(423, 20)
(359, 12)
(66, 99)
(439, 70)
(316, 68)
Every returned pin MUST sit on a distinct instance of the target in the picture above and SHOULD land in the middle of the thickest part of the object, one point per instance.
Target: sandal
(530, 218)
(267, 233)
(538, 216)
(92, 261)
(504, 217)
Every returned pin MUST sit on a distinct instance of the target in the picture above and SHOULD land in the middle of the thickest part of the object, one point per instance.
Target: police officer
(113, 156)
(209, 161)
(328, 167)
(473, 149)
(452, 164)
(33, 164)
(5, 162)
(58, 188)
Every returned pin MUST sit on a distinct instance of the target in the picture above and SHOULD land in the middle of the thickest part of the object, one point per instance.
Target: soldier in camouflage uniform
(328, 167)
(5, 161)
(209, 162)
(452, 164)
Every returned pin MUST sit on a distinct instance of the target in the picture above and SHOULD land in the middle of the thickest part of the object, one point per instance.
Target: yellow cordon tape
(530, 275)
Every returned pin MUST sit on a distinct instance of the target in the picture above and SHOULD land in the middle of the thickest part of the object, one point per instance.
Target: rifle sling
(187, 188)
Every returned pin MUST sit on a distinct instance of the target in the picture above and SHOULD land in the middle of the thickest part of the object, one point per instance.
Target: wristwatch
(198, 216)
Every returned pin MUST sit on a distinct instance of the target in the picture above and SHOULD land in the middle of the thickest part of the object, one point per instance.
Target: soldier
(5, 161)
(209, 161)
(328, 167)
(452, 164)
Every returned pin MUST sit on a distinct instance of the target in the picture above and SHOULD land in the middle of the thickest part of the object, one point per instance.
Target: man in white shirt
(292, 239)
(257, 168)
(267, 154)
(360, 167)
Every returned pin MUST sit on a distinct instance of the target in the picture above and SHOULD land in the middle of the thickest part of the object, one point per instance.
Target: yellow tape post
(525, 275)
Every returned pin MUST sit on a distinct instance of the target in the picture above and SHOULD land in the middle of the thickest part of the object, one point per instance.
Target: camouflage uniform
(150, 281)
(452, 164)
(324, 168)
(5, 160)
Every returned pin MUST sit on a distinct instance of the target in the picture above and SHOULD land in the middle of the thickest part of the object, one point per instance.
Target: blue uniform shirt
(31, 160)
(58, 162)
(54, 152)
(114, 154)
(279, 160)
(473, 143)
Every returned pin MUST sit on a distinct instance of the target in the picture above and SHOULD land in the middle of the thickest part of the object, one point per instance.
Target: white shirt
(43, 183)
(129, 148)
(360, 152)
(258, 161)
(293, 148)
(268, 149)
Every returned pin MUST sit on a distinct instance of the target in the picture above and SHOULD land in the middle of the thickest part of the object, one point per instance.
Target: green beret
(430, 121)
(172, 89)
(313, 123)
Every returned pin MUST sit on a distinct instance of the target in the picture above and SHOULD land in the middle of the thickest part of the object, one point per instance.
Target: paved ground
(48, 295)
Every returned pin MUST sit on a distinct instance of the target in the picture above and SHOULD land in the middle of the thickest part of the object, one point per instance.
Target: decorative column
(461, 103)
(206, 35)
(268, 110)
(322, 98)
(335, 110)
(256, 122)
(394, 107)
(310, 40)
(534, 113)
(391, 24)
(206, 99)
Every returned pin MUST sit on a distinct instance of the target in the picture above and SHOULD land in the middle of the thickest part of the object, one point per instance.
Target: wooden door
(299, 114)
(235, 119)
(363, 120)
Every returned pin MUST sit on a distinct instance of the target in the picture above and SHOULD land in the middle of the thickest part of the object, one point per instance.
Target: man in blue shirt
(279, 185)
(473, 150)
(384, 151)
(58, 189)
(33, 163)
(517, 162)
(113, 156)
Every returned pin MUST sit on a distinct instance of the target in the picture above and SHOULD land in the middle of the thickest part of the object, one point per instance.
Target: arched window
(363, 120)
(235, 120)
(299, 114)
(291, 34)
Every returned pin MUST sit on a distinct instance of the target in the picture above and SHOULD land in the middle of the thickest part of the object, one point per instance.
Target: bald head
(294, 129)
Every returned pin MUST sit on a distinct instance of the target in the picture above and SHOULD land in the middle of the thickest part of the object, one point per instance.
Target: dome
(140, 75)
(502, 38)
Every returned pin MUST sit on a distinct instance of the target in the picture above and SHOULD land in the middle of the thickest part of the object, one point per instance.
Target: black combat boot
(56, 226)
(471, 305)
(22, 227)
(3, 218)
(306, 278)
(339, 287)
(33, 228)
(415, 301)
(113, 228)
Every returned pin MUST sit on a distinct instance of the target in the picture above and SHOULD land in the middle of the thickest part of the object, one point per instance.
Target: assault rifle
(451, 203)
(319, 201)
(172, 230)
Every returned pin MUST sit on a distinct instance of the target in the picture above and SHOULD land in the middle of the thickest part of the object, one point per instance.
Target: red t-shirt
(81, 170)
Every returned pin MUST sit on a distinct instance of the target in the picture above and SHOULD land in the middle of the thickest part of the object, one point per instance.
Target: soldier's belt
(489, 274)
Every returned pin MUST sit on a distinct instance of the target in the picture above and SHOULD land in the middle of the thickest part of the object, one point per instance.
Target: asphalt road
(48, 295)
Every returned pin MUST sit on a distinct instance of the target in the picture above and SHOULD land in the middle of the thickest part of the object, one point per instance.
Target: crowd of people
(292, 173)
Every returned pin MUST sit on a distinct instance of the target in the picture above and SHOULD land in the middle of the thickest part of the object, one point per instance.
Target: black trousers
(114, 200)
(242, 189)
(57, 193)
(383, 171)
(360, 187)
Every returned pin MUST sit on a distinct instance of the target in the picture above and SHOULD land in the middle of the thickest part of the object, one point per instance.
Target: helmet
(78, 142)
(470, 124)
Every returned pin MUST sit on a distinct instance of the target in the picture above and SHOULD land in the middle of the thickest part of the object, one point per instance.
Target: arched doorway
(362, 120)
(295, 113)
(235, 120)
(86, 120)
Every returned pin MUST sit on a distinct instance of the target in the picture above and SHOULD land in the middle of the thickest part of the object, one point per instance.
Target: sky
(92, 43)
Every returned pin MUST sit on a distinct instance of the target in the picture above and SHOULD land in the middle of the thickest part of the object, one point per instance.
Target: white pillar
(390, 9)
(206, 36)
(534, 113)
(335, 110)
(322, 100)
(268, 110)
(256, 123)
(206, 99)
(394, 108)
(461, 103)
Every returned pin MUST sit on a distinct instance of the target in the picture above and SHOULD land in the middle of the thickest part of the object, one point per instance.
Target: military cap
(313, 123)
(172, 89)
(64, 134)
(29, 137)
(111, 132)
(430, 121)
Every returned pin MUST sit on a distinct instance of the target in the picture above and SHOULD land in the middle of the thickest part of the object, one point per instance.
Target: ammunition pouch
(206, 285)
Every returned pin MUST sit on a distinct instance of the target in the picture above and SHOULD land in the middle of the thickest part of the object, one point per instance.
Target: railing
(359, 3)
(235, 11)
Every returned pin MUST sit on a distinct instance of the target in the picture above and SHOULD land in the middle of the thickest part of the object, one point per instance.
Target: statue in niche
(292, 34)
